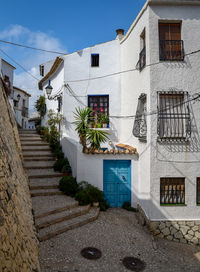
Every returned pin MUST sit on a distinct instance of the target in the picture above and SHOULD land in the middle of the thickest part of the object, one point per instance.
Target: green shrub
(66, 168)
(58, 165)
(68, 186)
(127, 206)
(82, 197)
(58, 153)
(87, 194)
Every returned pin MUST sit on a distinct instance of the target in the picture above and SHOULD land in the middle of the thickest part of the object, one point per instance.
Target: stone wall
(18, 242)
(187, 232)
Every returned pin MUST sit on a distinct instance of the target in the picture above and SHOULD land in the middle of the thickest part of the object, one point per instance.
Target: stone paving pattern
(117, 233)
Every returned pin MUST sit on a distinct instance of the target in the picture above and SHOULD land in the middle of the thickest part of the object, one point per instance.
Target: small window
(173, 116)
(198, 190)
(99, 104)
(16, 103)
(172, 191)
(95, 60)
(59, 103)
(42, 70)
(171, 45)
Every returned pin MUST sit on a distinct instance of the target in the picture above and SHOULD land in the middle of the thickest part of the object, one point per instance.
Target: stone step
(58, 228)
(45, 192)
(27, 131)
(45, 182)
(45, 205)
(36, 153)
(29, 136)
(39, 159)
(36, 148)
(43, 187)
(38, 164)
(43, 173)
(55, 211)
(61, 216)
(35, 143)
(34, 139)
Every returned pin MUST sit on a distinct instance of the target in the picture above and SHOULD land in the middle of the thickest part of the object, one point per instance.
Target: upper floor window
(59, 103)
(42, 70)
(16, 103)
(171, 45)
(142, 57)
(100, 106)
(173, 116)
(172, 191)
(95, 60)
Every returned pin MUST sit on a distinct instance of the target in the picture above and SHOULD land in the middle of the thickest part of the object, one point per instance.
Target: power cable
(34, 48)
(19, 65)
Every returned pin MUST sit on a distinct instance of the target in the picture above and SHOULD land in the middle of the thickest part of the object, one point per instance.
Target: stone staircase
(54, 212)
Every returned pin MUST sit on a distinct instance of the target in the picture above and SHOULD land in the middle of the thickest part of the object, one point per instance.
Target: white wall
(134, 83)
(78, 66)
(175, 160)
(18, 110)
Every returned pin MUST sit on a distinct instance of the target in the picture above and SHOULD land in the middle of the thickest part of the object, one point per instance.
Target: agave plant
(82, 115)
(96, 137)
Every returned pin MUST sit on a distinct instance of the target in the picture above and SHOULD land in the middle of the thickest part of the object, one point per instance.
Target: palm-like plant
(82, 115)
(96, 137)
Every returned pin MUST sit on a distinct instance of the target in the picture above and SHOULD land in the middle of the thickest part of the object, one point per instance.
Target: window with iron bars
(172, 191)
(173, 116)
(198, 190)
(140, 124)
(95, 60)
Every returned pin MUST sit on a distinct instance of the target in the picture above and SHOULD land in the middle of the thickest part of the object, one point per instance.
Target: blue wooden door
(117, 181)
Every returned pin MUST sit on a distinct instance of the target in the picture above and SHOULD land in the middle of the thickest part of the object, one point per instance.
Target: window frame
(99, 96)
(173, 117)
(169, 44)
(198, 181)
(167, 180)
(93, 64)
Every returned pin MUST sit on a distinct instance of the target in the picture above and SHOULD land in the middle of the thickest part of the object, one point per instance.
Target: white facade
(21, 107)
(156, 159)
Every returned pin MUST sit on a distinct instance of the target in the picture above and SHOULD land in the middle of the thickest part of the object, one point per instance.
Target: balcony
(142, 59)
(25, 112)
(171, 50)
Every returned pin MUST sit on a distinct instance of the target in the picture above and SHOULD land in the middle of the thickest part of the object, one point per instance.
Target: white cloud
(29, 59)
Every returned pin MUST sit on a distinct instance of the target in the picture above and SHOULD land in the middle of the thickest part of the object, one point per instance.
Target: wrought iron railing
(140, 125)
(142, 59)
(172, 50)
(172, 191)
(174, 122)
(25, 112)
(198, 190)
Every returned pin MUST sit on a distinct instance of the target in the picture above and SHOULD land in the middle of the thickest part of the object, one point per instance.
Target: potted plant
(104, 120)
(99, 125)
(66, 170)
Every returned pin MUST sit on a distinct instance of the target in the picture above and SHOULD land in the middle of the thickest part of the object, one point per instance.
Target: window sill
(173, 205)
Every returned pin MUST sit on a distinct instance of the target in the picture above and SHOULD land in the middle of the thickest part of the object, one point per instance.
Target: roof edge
(154, 3)
(53, 69)
(14, 87)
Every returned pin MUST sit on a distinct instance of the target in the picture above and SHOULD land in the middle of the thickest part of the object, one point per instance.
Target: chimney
(120, 33)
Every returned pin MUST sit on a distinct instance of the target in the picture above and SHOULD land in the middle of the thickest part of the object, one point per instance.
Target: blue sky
(62, 25)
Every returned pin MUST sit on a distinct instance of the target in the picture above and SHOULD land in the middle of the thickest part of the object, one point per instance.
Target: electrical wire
(33, 48)
(19, 65)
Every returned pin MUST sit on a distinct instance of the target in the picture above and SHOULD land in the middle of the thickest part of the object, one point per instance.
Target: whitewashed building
(21, 107)
(150, 78)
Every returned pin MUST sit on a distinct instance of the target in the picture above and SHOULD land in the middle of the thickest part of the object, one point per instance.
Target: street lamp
(49, 89)
(18, 97)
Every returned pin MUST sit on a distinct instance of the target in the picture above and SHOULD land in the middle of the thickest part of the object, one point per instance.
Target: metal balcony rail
(172, 50)
(142, 59)
(25, 112)
(172, 191)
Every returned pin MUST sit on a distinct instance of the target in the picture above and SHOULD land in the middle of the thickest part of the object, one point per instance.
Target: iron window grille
(99, 104)
(174, 121)
(172, 191)
(172, 50)
(95, 60)
(59, 103)
(25, 112)
(140, 125)
(198, 190)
